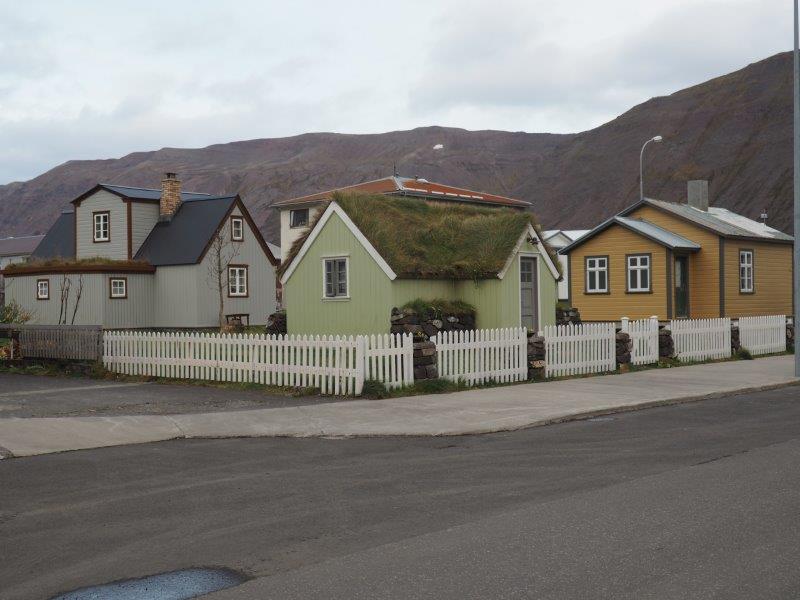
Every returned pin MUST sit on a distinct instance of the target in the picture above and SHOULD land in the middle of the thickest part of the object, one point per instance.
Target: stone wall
(425, 326)
(425, 361)
(565, 316)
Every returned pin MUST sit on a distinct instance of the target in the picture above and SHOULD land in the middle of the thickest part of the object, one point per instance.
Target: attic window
(298, 217)
(102, 226)
(237, 229)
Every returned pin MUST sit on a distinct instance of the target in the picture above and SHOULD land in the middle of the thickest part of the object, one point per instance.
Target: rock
(666, 345)
(736, 343)
(396, 311)
(429, 329)
(452, 319)
(276, 323)
(437, 323)
(432, 372)
(413, 329)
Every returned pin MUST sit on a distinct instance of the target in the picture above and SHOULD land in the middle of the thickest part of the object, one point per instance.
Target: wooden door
(529, 292)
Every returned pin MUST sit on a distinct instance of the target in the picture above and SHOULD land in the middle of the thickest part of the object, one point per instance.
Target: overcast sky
(101, 79)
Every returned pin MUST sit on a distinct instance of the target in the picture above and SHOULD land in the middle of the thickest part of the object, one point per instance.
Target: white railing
(580, 349)
(763, 335)
(644, 339)
(701, 339)
(336, 365)
(483, 355)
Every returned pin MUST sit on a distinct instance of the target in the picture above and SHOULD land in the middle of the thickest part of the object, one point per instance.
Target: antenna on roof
(764, 216)
(394, 169)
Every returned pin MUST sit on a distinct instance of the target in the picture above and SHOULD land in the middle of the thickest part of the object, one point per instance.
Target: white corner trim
(334, 208)
(542, 252)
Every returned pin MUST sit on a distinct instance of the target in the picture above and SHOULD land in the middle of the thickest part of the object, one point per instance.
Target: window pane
(632, 280)
(602, 280)
(644, 275)
(592, 281)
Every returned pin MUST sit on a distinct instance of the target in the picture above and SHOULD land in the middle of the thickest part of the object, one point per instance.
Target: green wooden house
(366, 254)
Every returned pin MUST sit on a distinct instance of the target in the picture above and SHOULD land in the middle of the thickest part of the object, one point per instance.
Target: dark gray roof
(19, 246)
(658, 234)
(721, 221)
(137, 193)
(59, 241)
(182, 240)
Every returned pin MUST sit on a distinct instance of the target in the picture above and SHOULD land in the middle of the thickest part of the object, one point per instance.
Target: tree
(221, 253)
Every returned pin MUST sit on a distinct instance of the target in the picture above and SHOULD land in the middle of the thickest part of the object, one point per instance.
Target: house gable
(524, 243)
(98, 202)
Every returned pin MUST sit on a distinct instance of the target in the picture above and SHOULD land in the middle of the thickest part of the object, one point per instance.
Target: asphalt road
(691, 501)
(23, 395)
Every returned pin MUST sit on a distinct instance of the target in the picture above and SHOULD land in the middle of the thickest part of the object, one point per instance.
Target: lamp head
(658, 138)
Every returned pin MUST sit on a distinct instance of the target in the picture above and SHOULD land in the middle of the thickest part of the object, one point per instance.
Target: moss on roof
(434, 240)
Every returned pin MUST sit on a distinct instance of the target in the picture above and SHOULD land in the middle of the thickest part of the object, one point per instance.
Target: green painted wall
(373, 294)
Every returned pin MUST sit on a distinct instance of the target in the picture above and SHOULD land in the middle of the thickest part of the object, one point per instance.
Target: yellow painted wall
(772, 276)
(703, 265)
(617, 242)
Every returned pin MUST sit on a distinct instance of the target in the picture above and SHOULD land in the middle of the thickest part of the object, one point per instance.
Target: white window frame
(747, 272)
(596, 269)
(291, 217)
(118, 296)
(336, 295)
(634, 265)
(237, 222)
(235, 289)
(97, 232)
(39, 295)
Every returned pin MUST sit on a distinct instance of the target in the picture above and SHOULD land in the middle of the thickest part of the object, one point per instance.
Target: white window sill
(336, 298)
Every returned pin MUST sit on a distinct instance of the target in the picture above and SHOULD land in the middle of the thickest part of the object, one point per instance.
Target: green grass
(72, 262)
(439, 306)
(435, 240)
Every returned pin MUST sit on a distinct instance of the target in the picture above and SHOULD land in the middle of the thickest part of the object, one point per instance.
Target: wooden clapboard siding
(772, 277)
(703, 265)
(616, 242)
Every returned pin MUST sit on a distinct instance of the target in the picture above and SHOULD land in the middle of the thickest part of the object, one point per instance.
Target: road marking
(69, 389)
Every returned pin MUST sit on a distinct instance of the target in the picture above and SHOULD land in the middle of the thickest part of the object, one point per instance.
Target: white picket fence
(701, 339)
(580, 349)
(336, 365)
(644, 339)
(763, 335)
(482, 355)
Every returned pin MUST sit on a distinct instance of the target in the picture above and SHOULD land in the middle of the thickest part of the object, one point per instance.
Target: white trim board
(542, 252)
(334, 208)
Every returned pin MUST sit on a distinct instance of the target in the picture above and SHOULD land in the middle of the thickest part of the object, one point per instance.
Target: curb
(581, 416)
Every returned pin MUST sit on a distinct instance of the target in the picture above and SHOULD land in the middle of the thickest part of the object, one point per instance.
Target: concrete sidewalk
(471, 412)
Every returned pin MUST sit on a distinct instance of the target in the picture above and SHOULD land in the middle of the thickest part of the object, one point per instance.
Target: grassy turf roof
(434, 240)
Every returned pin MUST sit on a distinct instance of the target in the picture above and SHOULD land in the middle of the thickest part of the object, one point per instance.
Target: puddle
(175, 585)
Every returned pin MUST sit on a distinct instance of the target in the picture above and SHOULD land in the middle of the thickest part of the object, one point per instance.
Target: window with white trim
(43, 289)
(102, 227)
(298, 217)
(237, 229)
(746, 285)
(596, 274)
(335, 276)
(118, 287)
(237, 281)
(639, 273)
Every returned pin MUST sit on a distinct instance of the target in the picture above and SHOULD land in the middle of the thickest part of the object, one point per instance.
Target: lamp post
(796, 264)
(656, 139)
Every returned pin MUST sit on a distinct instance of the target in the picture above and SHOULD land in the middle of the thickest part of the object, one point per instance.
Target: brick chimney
(170, 195)
(697, 194)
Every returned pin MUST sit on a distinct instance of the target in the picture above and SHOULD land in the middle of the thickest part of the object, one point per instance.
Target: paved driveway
(42, 396)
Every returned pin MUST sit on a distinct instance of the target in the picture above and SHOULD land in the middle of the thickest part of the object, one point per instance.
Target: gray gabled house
(127, 257)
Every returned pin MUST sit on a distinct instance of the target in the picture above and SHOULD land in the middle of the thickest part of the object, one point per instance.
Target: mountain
(735, 130)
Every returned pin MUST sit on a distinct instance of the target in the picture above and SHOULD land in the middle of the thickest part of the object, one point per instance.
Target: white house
(561, 238)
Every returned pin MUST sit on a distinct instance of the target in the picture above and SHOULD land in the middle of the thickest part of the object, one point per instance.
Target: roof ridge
(147, 189)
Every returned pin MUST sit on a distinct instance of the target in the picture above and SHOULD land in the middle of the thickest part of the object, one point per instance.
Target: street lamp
(656, 139)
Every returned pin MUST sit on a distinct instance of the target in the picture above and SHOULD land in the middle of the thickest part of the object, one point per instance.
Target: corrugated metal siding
(94, 308)
(117, 248)
(144, 216)
(772, 280)
(703, 265)
(373, 294)
(175, 297)
(371, 297)
(615, 242)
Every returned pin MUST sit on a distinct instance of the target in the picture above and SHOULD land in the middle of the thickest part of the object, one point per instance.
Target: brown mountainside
(734, 130)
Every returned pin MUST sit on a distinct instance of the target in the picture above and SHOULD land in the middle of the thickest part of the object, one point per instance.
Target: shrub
(743, 354)
(374, 389)
(439, 307)
(13, 313)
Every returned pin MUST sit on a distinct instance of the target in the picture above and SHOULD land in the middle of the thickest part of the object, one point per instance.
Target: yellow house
(680, 260)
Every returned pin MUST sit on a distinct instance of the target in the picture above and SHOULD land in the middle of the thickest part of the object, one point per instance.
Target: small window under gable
(101, 231)
(237, 229)
(335, 283)
(298, 217)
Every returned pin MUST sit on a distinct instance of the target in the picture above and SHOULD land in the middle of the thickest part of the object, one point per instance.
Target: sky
(88, 80)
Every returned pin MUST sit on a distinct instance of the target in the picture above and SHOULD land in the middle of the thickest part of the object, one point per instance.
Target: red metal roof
(408, 186)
